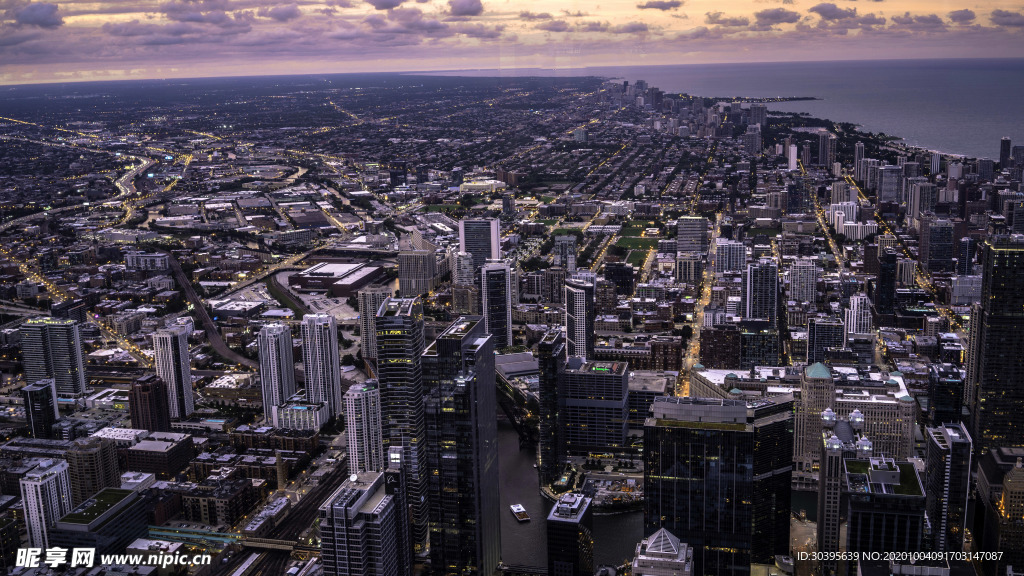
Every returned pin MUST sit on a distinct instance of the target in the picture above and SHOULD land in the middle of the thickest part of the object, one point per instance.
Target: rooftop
(95, 507)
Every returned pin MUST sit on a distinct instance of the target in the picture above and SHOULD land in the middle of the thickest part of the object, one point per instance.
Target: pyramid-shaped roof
(818, 370)
(663, 542)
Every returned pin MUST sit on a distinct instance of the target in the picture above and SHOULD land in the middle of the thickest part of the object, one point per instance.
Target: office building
(170, 346)
(594, 399)
(400, 375)
(858, 157)
(803, 281)
(730, 256)
(277, 368)
(551, 362)
(945, 394)
(662, 554)
(623, 275)
(570, 528)
(52, 349)
(841, 439)
(321, 361)
(761, 285)
(92, 466)
(947, 484)
(370, 300)
(360, 529)
(416, 271)
(481, 239)
(45, 498)
(999, 509)
(758, 114)
(890, 183)
(995, 366)
(565, 253)
(580, 315)
(364, 428)
(823, 334)
(149, 405)
(717, 474)
(692, 234)
(1005, 148)
(886, 506)
(884, 295)
(826, 149)
(496, 291)
(108, 521)
(41, 407)
(163, 454)
(463, 273)
(858, 316)
(936, 246)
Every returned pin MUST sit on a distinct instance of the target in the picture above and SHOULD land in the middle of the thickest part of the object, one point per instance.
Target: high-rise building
(761, 284)
(400, 374)
(570, 528)
(884, 294)
(886, 506)
(496, 290)
(364, 428)
(463, 273)
(717, 474)
(92, 466)
(1001, 507)
(594, 405)
(730, 256)
(108, 522)
(758, 114)
(481, 239)
(508, 205)
(416, 272)
(857, 317)
(360, 529)
(551, 361)
(936, 249)
(1005, 147)
(826, 149)
(945, 394)
(52, 348)
(622, 275)
(803, 281)
(692, 234)
(858, 157)
(565, 252)
(822, 334)
(462, 445)
(370, 300)
(995, 366)
(170, 346)
(890, 183)
(841, 439)
(321, 361)
(947, 484)
(662, 554)
(41, 407)
(45, 498)
(148, 404)
(277, 368)
(580, 316)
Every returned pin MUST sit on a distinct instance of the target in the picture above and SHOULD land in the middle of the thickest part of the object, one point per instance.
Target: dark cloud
(768, 19)
(576, 14)
(466, 7)
(718, 19)
(660, 5)
(1007, 18)
(920, 22)
(41, 15)
(385, 4)
(829, 11)
(629, 28)
(553, 26)
(136, 28)
(280, 13)
(13, 38)
(527, 15)
(592, 26)
(965, 16)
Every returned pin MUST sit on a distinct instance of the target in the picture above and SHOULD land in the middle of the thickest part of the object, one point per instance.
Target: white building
(321, 361)
(277, 368)
(662, 554)
(363, 428)
(370, 300)
(170, 346)
(45, 498)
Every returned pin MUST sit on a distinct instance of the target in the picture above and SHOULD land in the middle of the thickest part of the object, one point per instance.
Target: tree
(348, 360)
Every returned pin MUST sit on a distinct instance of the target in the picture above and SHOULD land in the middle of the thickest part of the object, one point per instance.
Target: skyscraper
(822, 334)
(149, 405)
(692, 234)
(803, 281)
(885, 282)
(360, 529)
(947, 484)
(1005, 147)
(496, 289)
(481, 239)
(761, 284)
(890, 183)
(565, 252)
(717, 474)
(463, 273)
(945, 394)
(277, 368)
(826, 149)
(92, 466)
(45, 498)
(363, 428)
(858, 316)
(321, 361)
(841, 439)
(995, 366)
(40, 407)
(936, 249)
(416, 271)
(570, 527)
(170, 346)
(370, 300)
(858, 157)
(400, 373)
(730, 256)
(551, 360)
(52, 348)
(623, 275)
(594, 408)
(580, 316)
(886, 506)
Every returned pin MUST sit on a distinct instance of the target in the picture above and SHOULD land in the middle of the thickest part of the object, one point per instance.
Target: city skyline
(75, 40)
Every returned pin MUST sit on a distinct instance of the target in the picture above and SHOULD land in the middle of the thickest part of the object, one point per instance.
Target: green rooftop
(909, 484)
(701, 425)
(818, 371)
(87, 512)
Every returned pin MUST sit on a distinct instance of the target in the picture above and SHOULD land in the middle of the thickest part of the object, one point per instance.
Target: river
(615, 536)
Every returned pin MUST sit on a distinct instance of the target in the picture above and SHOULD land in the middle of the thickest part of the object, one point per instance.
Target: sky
(77, 40)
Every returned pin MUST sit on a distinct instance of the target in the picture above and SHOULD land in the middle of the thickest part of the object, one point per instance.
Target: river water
(615, 536)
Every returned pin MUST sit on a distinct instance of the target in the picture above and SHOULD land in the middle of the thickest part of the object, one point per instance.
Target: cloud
(829, 11)
(962, 17)
(718, 19)
(527, 15)
(921, 22)
(385, 4)
(280, 13)
(1007, 18)
(466, 7)
(136, 28)
(41, 15)
(15, 38)
(479, 30)
(553, 26)
(576, 14)
(629, 28)
(768, 19)
(593, 26)
(660, 5)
